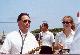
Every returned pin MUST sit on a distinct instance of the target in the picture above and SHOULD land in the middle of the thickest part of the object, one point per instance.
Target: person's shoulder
(73, 32)
(59, 33)
(49, 32)
(29, 33)
(13, 32)
(31, 36)
(10, 34)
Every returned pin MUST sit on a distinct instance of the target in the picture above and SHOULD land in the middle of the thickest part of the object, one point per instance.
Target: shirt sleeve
(78, 19)
(35, 43)
(75, 45)
(6, 46)
(56, 38)
(52, 38)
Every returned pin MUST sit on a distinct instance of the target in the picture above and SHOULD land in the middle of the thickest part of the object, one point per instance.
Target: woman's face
(67, 23)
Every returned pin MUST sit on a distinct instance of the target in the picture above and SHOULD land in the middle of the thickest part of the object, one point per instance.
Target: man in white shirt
(22, 41)
(47, 40)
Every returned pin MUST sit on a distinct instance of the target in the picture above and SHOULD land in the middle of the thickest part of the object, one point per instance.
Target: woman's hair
(71, 20)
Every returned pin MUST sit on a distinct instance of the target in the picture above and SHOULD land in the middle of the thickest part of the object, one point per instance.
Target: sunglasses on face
(26, 21)
(66, 22)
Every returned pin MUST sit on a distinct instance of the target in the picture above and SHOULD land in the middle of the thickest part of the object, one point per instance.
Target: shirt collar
(71, 34)
(23, 34)
(45, 32)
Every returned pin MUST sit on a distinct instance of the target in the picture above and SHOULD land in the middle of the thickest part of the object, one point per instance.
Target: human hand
(60, 45)
(78, 15)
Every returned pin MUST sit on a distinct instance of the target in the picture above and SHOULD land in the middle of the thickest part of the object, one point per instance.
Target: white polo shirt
(47, 38)
(66, 41)
(13, 43)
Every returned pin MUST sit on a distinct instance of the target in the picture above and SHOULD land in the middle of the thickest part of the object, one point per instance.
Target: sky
(51, 11)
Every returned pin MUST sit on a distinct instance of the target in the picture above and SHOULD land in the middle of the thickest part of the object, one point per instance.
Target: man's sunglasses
(26, 21)
(66, 22)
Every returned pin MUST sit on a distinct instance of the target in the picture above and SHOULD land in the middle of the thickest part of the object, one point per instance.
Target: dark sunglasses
(26, 21)
(66, 22)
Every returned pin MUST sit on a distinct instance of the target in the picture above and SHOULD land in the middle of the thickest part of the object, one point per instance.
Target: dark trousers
(46, 50)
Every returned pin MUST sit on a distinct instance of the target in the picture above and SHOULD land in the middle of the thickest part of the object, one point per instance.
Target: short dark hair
(45, 24)
(19, 17)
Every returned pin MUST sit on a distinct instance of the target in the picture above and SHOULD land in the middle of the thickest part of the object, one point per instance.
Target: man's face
(24, 23)
(44, 28)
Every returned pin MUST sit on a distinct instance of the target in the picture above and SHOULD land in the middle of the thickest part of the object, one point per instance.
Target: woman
(65, 38)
